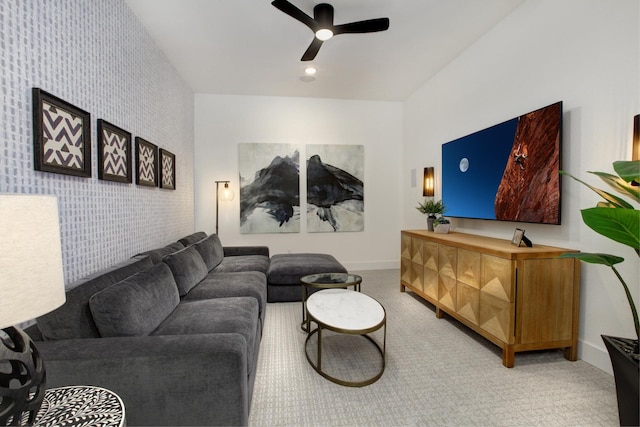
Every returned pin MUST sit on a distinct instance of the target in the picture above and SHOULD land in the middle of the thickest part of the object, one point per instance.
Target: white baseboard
(596, 356)
(372, 265)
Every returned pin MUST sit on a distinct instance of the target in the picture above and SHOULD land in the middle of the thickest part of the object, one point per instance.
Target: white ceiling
(248, 47)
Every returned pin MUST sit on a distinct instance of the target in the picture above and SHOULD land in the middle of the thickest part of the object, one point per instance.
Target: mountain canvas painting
(269, 188)
(335, 188)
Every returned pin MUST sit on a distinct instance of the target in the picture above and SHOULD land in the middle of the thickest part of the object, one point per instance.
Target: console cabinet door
(430, 258)
(447, 270)
(497, 307)
(468, 279)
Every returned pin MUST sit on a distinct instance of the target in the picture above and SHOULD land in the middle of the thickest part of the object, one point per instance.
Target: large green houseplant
(618, 220)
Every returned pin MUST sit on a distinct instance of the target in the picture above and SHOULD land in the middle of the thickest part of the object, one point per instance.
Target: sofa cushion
(192, 238)
(238, 315)
(244, 263)
(157, 254)
(188, 268)
(73, 319)
(232, 284)
(211, 251)
(137, 305)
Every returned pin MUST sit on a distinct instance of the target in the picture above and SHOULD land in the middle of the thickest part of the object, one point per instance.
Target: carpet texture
(437, 373)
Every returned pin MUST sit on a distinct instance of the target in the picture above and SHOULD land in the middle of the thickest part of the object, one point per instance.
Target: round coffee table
(325, 281)
(346, 312)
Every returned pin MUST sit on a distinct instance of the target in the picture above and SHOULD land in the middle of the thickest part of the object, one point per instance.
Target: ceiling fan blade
(295, 13)
(368, 26)
(312, 50)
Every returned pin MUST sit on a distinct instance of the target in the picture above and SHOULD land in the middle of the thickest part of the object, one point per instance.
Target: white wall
(584, 53)
(224, 121)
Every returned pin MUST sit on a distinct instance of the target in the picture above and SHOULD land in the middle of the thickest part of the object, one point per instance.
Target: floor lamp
(226, 195)
(31, 284)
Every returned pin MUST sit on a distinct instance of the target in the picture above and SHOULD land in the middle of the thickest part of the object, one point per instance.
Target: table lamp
(31, 284)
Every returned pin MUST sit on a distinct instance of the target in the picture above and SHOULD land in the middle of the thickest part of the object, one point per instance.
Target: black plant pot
(626, 372)
(430, 219)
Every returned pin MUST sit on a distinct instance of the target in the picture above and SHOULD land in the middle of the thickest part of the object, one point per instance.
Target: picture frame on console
(114, 153)
(147, 163)
(61, 136)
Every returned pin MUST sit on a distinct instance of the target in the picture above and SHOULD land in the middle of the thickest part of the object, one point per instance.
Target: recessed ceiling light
(310, 70)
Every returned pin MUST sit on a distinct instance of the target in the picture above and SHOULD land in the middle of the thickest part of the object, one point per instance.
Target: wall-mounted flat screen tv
(508, 172)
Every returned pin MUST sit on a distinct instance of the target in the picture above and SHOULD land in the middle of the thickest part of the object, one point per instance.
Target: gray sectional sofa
(175, 332)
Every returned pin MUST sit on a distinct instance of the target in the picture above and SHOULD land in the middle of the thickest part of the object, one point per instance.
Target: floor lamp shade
(32, 281)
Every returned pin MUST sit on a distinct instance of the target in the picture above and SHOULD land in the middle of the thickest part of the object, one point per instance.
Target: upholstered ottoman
(285, 271)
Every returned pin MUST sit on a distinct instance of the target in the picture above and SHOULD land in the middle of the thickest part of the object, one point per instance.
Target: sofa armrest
(246, 250)
(198, 379)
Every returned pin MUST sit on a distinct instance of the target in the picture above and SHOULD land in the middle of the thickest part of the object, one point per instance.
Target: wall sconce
(226, 195)
(428, 183)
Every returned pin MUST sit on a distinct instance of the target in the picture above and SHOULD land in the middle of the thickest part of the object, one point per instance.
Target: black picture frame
(61, 136)
(146, 163)
(114, 153)
(519, 239)
(167, 169)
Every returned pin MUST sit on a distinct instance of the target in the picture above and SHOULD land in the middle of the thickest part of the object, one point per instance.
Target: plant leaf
(613, 200)
(629, 171)
(620, 185)
(621, 225)
(594, 258)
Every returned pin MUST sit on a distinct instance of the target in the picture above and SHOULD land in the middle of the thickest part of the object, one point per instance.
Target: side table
(325, 281)
(81, 406)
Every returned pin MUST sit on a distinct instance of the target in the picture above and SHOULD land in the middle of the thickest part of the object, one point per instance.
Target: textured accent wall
(97, 56)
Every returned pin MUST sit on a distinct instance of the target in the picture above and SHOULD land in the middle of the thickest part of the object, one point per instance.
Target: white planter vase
(442, 228)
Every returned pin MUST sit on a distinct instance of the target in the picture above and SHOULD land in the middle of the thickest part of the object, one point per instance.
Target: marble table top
(345, 309)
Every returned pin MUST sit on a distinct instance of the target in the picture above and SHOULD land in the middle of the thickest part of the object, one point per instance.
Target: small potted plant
(441, 225)
(618, 220)
(431, 208)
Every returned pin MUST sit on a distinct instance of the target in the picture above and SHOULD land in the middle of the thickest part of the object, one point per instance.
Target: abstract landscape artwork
(269, 188)
(335, 188)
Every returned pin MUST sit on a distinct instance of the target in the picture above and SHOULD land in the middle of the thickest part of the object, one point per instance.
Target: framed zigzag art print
(114, 153)
(61, 136)
(167, 170)
(147, 166)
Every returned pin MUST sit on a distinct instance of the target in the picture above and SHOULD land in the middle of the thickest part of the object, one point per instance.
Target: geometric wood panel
(447, 292)
(497, 277)
(468, 302)
(405, 270)
(447, 261)
(416, 251)
(430, 286)
(495, 317)
(430, 255)
(468, 268)
(405, 246)
(417, 273)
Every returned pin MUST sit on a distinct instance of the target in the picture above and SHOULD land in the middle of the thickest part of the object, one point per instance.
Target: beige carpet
(437, 373)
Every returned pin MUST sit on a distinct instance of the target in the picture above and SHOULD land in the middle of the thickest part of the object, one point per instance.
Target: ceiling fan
(322, 24)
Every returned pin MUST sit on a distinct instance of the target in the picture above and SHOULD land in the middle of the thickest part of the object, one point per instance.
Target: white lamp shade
(31, 277)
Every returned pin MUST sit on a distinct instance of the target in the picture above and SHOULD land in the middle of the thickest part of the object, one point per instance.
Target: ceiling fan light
(324, 34)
